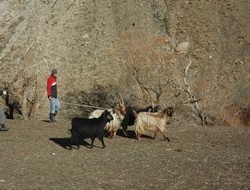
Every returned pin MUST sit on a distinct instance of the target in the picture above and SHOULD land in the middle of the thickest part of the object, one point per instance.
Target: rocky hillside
(192, 55)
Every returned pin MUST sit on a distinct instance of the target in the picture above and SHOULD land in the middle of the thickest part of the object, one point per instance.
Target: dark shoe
(55, 115)
(52, 117)
(3, 128)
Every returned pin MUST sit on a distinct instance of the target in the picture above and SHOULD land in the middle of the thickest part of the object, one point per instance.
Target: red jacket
(52, 87)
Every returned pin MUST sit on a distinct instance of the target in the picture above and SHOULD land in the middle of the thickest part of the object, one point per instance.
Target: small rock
(85, 36)
(53, 154)
(181, 47)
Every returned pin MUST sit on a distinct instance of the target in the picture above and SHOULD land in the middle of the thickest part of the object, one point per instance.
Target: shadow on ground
(131, 134)
(65, 142)
(46, 121)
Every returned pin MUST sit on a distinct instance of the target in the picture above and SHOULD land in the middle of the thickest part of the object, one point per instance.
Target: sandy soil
(34, 155)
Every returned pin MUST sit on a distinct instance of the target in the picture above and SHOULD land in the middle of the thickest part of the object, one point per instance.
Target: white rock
(181, 47)
(85, 36)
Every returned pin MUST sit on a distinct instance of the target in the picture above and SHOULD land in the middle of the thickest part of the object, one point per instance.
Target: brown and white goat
(118, 114)
(153, 122)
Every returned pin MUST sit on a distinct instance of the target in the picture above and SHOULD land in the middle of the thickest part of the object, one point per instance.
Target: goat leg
(74, 140)
(77, 143)
(125, 132)
(138, 136)
(101, 139)
(70, 147)
(155, 136)
(112, 133)
(92, 142)
(165, 138)
(71, 142)
(124, 128)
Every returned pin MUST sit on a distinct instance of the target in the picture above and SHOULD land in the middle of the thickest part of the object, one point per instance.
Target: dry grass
(33, 156)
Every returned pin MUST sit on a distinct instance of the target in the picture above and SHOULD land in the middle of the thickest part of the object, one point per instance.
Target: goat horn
(121, 100)
(135, 113)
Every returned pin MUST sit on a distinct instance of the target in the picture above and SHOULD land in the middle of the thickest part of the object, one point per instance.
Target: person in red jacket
(52, 95)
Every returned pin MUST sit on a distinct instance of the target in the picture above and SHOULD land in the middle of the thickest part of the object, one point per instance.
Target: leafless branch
(192, 99)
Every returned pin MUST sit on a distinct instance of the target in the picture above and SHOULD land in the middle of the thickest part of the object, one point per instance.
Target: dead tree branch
(192, 99)
(144, 88)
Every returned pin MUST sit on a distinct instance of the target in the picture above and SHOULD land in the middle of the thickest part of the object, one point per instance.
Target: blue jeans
(2, 116)
(54, 105)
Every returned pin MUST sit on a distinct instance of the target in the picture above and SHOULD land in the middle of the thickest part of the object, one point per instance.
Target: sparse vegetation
(140, 49)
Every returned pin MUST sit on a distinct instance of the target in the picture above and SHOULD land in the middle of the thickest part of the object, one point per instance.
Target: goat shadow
(65, 142)
(131, 134)
(46, 121)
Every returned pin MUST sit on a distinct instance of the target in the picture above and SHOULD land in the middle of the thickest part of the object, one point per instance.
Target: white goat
(118, 115)
(154, 122)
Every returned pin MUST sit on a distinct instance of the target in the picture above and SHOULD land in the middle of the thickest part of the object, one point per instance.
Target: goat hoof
(138, 137)
(125, 133)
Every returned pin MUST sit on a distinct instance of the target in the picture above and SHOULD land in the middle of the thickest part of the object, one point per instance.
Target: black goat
(129, 117)
(89, 128)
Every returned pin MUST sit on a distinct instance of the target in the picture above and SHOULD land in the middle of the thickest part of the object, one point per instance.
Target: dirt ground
(34, 155)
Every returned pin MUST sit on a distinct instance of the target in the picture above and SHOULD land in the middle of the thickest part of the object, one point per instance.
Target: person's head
(54, 72)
